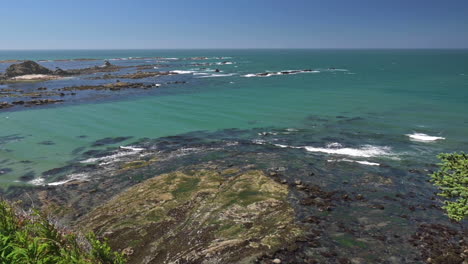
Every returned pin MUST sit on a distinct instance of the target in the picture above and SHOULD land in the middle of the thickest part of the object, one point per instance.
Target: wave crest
(423, 137)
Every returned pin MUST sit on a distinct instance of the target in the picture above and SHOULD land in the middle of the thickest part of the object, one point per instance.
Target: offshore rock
(25, 68)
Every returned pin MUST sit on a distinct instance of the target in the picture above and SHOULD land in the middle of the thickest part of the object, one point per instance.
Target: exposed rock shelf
(198, 216)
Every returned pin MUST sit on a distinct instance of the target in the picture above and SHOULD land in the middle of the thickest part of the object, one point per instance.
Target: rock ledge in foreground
(198, 216)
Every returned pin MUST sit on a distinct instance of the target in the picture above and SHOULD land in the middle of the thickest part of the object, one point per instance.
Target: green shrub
(30, 238)
(452, 180)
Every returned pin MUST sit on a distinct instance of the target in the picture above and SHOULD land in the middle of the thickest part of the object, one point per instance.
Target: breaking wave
(421, 137)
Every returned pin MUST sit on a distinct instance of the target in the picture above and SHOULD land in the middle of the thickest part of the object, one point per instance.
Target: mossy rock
(198, 216)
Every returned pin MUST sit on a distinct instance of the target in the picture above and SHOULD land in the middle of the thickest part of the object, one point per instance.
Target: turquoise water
(373, 98)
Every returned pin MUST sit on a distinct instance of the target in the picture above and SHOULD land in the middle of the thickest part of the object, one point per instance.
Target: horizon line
(388, 48)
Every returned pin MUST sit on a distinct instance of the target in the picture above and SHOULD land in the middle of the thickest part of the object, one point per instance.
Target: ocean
(371, 108)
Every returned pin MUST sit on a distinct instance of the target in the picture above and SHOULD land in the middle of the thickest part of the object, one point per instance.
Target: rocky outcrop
(4, 105)
(198, 217)
(59, 71)
(136, 75)
(110, 86)
(32, 71)
(25, 68)
(107, 67)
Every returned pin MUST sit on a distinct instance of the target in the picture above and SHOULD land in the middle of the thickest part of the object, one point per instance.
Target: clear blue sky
(115, 24)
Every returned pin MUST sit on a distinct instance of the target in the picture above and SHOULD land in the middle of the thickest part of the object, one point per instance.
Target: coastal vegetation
(32, 238)
(452, 180)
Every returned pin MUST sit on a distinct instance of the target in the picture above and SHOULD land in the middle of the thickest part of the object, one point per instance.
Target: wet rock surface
(440, 244)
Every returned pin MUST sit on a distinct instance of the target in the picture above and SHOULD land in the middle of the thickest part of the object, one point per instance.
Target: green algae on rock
(198, 216)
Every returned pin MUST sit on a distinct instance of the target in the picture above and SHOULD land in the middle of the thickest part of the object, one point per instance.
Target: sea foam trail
(363, 162)
(365, 151)
(127, 151)
(287, 72)
(71, 177)
(217, 75)
(183, 72)
(423, 137)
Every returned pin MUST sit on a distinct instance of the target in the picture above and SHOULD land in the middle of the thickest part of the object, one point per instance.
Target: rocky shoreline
(183, 199)
(32, 72)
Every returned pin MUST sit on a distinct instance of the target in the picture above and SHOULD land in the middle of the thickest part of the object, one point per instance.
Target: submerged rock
(25, 68)
(110, 86)
(198, 216)
(109, 141)
(136, 75)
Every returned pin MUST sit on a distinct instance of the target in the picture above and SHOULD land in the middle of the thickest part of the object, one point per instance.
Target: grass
(31, 238)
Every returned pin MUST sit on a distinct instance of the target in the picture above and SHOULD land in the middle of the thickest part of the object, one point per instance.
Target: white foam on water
(259, 141)
(183, 72)
(266, 133)
(363, 162)
(71, 177)
(249, 75)
(284, 146)
(421, 137)
(232, 143)
(366, 151)
(334, 145)
(37, 181)
(340, 70)
(287, 72)
(217, 75)
(127, 151)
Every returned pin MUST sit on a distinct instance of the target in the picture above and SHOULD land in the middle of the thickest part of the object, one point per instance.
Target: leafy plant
(31, 238)
(452, 180)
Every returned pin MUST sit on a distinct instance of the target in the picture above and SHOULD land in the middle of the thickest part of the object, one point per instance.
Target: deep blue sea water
(369, 106)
